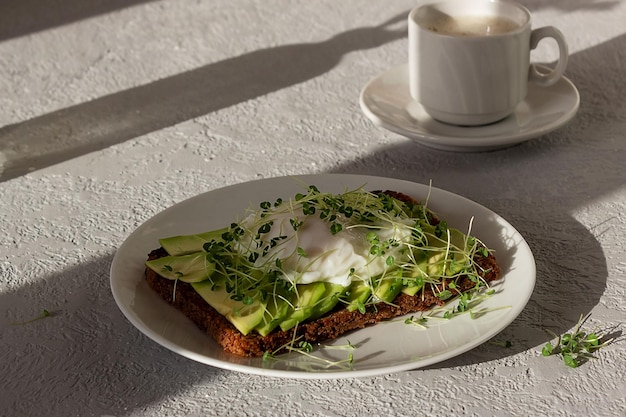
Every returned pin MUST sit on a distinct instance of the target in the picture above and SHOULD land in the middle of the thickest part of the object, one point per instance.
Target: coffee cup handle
(549, 78)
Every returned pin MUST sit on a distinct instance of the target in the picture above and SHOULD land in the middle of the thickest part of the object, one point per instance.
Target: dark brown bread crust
(328, 327)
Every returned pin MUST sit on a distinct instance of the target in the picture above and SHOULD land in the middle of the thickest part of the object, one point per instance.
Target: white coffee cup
(464, 74)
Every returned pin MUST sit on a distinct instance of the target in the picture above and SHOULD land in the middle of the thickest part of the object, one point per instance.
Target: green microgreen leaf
(504, 344)
(308, 209)
(361, 307)
(441, 228)
(570, 360)
(417, 321)
(295, 224)
(372, 238)
(547, 349)
(305, 346)
(576, 347)
(335, 228)
(265, 228)
(44, 313)
(444, 295)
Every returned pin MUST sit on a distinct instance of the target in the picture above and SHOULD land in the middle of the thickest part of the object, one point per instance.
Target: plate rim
(451, 142)
(299, 374)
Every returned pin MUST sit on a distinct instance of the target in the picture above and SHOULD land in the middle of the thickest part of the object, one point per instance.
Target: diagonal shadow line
(94, 125)
(67, 366)
(22, 17)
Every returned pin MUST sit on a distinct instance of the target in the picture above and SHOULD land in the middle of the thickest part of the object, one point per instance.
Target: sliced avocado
(388, 288)
(193, 267)
(434, 266)
(357, 295)
(278, 307)
(328, 301)
(243, 317)
(412, 286)
(431, 263)
(418, 267)
(184, 244)
(308, 296)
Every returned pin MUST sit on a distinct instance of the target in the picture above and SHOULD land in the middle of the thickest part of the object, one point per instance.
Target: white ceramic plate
(386, 101)
(381, 349)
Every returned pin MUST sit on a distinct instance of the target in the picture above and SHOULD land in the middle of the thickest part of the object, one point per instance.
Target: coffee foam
(472, 25)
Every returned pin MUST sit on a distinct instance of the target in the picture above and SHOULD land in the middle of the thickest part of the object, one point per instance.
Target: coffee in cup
(472, 25)
(469, 60)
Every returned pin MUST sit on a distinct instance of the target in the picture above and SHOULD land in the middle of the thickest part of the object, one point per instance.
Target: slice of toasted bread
(335, 323)
(339, 321)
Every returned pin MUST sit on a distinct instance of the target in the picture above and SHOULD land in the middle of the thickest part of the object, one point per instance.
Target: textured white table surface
(112, 111)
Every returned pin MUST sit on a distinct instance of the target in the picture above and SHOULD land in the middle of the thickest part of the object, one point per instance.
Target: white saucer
(386, 101)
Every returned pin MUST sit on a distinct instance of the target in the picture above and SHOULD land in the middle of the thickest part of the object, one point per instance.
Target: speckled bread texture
(332, 325)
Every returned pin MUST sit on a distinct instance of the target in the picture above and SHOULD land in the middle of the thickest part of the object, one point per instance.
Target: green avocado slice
(278, 307)
(244, 317)
(328, 301)
(357, 294)
(304, 306)
(185, 244)
(388, 288)
(193, 267)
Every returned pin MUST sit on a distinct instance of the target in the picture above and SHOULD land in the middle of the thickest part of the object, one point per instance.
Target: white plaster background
(126, 112)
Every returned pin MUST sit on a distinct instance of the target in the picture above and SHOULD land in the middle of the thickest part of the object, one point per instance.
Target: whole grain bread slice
(339, 321)
(334, 324)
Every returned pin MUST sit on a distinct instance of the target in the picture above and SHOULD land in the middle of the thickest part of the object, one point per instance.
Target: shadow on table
(23, 17)
(85, 358)
(103, 122)
(73, 364)
(113, 373)
(580, 163)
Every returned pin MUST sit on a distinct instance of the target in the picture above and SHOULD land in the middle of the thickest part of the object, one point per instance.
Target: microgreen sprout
(347, 346)
(417, 321)
(467, 303)
(335, 228)
(44, 313)
(577, 347)
(504, 344)
(305, 348)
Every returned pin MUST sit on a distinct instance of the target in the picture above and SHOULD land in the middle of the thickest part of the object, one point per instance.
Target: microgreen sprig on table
(577, 347)
(44, 313)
